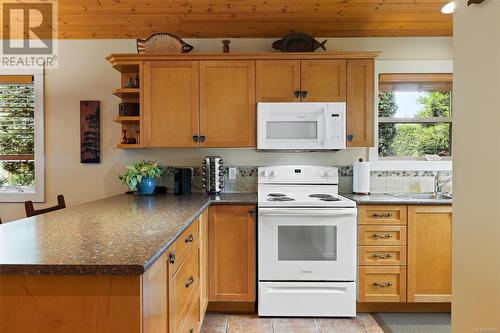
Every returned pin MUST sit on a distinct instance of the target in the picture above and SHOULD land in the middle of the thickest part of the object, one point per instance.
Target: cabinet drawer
(191, 321)
(183, 245)
(381, 235)
(382, 214)
(184, 283)
(382, 284)
(382, 255)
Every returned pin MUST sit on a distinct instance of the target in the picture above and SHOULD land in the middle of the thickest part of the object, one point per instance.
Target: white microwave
(301, 126)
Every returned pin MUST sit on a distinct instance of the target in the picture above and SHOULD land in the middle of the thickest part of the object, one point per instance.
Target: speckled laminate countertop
(120, 235)
(391, 199)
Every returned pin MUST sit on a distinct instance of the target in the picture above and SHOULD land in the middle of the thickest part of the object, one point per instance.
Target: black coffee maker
(182, 180)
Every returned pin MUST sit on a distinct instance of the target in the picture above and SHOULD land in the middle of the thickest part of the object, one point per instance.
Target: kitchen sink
(424, 196)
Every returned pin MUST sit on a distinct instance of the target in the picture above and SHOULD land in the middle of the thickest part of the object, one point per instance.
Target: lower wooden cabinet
(203, 220)
(232, 253)
(429, 253)
(382, 284)
(404, 253)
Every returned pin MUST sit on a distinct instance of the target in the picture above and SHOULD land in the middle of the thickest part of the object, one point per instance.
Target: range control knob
(265, 173)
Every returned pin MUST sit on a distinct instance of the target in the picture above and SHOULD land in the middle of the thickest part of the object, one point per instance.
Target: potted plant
(140, 176)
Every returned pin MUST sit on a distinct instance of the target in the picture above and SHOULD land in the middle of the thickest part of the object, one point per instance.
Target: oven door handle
(307, 212)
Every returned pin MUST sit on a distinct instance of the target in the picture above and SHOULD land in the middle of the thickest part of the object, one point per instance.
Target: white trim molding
(39, 194)
(406, 66)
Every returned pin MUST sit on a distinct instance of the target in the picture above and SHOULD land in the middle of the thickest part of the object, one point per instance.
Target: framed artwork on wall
(90, 132)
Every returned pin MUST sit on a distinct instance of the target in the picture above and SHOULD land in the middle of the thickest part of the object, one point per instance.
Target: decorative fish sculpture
(298, 42)
(162, 42)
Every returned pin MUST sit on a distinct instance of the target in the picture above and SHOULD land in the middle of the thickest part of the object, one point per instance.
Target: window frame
(402, 67)
(39, 151)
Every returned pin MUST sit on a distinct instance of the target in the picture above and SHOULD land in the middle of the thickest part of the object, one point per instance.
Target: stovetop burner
(276, 195)
(321, 196)
(330, 199)
(280, 199)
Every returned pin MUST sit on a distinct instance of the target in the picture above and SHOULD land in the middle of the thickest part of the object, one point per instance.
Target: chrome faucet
(440, 183)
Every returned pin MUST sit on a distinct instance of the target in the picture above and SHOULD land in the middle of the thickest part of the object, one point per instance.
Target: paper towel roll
(361, 177)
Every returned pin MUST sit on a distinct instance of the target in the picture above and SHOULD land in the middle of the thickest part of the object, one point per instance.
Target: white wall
(476, 165)
(84, 74)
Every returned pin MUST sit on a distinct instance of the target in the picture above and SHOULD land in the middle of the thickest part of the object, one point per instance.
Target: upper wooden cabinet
(209, 100)
(429, 253)
(232, 253)
(360, 85)
(301, 80)
(323, 80)
(278, 80)
(227, 104)
(171, 103)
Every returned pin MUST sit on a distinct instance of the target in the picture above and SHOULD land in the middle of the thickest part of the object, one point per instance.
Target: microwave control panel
(336, 124)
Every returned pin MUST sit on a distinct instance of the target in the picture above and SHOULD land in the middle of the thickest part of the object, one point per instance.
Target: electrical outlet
(232, 173)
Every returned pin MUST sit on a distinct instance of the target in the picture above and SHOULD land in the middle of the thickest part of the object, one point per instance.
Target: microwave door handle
(326, 129)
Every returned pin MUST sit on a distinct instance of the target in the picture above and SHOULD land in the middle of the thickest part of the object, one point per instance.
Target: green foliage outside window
(17, 133)
(415, 139)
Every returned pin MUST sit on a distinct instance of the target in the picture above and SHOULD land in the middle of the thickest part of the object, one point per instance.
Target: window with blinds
(415, 116)
(17, 133)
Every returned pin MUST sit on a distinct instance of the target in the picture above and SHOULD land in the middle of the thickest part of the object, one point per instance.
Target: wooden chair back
(31, 211)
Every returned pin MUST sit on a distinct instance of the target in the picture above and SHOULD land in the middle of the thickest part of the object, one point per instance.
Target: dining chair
(31, 211)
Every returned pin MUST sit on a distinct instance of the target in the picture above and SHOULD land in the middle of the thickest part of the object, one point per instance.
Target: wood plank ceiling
(252, 18)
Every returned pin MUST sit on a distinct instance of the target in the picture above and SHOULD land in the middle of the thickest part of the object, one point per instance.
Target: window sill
(12, 196)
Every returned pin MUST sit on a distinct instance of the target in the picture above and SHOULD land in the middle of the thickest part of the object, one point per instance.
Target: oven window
(297, 130)
(307, 243)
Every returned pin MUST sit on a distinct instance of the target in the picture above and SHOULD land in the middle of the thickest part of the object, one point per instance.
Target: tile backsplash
(380, 181)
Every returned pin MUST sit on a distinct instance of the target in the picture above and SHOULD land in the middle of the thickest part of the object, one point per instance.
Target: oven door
(313, 244)
(295, 126)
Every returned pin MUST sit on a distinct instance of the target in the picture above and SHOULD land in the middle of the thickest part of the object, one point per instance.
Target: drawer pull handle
(382, 285)
(382, 215)
(382, 256)
(171, 257)
(191, 330)
(190, 281)
(189, 239)
(382, 236)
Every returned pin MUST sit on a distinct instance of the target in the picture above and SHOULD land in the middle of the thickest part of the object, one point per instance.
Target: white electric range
(306, 243)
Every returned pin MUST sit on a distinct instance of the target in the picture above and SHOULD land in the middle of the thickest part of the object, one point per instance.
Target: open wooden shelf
(127, 92)
(129, 146)
(127, 119)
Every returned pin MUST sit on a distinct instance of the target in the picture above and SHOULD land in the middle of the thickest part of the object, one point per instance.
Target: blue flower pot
(146, 186)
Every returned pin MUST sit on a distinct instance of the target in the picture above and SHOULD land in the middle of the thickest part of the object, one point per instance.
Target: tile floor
(221, 323)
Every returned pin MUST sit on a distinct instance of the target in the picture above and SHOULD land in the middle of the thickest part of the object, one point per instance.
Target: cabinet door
(227, 101)
(360, 103)
(203, 264)
(232, 253)
(171, 103)
(277, 80)
(323, 80)
(429, 253)
(155, 297)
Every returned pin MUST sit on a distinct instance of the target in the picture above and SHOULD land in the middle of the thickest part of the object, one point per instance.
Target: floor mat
(414, 322)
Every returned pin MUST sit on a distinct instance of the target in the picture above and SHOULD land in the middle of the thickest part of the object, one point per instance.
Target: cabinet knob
(202, 138)
(380, 215)
(189, 239)
(382, 256)
(382, 236)
(303, 94)
(251, 212)
(297, 93)
(196, 138)
(382, 285)
(171, 257)
(350, 137)
(190, 281)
